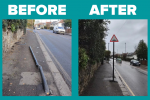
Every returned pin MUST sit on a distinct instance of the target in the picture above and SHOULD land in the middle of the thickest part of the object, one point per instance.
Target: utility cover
(114, 39)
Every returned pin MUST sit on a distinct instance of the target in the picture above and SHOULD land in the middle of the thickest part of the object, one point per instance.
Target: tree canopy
(67, 23)
(91, 38)
(30, 23)
(141, 50)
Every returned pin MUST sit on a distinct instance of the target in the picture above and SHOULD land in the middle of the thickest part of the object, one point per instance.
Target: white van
(59, 29)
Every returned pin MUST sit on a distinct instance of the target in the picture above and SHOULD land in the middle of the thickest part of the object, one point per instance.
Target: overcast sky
(126, 31)
(46, 20)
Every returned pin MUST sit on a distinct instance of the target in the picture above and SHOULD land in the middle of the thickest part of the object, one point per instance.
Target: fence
(143, 62)
(68, 30)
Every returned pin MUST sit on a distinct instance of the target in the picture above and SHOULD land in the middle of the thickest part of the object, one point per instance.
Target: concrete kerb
(68, 34)
(122, 85)
(60, 83)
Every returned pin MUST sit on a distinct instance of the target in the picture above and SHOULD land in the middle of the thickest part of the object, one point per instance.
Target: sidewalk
(100, 85)
(20, 75)
(68, 34)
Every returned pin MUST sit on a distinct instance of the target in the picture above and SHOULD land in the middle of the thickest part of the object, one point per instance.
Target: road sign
(114, 39)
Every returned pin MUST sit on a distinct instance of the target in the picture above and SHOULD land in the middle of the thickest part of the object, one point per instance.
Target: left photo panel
(37, 57)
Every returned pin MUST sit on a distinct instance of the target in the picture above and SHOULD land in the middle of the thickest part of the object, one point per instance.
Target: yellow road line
(125, 83)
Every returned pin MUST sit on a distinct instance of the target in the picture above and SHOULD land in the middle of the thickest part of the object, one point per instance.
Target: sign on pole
(113, 39)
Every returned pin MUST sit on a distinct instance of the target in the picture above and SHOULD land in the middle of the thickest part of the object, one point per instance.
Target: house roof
(40, 23)
(61, 21)
(54, 22)
(48, 22)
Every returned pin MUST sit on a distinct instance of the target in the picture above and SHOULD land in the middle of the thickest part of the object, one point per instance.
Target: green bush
(83, 58)
(45, 27)
(5, 25)
(13, 28)
(51, 28)
(15, 24)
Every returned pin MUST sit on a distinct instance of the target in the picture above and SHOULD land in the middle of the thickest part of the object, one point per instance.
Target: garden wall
(9, 38)
(85, 75)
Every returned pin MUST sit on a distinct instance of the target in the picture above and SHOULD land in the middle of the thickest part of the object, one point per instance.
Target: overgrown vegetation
(91, 39)
(14, 24)
(67, 23)
(83, 58)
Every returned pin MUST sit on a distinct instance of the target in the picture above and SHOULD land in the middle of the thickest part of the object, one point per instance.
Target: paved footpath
(20, 75)
(100, 85)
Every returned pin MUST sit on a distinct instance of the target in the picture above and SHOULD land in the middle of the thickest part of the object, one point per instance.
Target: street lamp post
(108, 51)
(108, 46)
(125, 47)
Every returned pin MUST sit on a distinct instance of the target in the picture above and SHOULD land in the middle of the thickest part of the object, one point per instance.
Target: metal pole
(113, 61)
(42, 74)
(108, 50)
(108, 46)
(125, 47)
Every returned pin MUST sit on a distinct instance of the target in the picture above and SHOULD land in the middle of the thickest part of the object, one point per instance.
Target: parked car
(38, 28)
(59, 30)
(135, 62)
(119, 60)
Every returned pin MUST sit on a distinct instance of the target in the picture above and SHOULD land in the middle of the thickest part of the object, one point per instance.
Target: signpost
(113, 39)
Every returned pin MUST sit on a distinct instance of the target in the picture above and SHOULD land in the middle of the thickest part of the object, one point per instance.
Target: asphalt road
(135, 79)
(60, 47)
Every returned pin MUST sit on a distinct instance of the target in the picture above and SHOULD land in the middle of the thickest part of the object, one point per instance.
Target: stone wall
(85, 75)
(9, 38)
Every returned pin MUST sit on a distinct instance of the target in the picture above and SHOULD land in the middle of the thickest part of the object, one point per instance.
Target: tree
(107, 54)
(48, 25)
(141, 50)
(30, 23)
(124, 56)
(67, 23)
(91, 38)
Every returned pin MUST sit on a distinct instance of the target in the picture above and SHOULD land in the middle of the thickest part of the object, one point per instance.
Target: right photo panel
(112, 57)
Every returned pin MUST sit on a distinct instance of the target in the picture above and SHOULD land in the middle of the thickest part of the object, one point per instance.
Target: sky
(46, 20)
(126, 31)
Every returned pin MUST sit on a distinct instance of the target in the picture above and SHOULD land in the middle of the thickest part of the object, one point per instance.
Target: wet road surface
(135, 79)
(60, 47)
